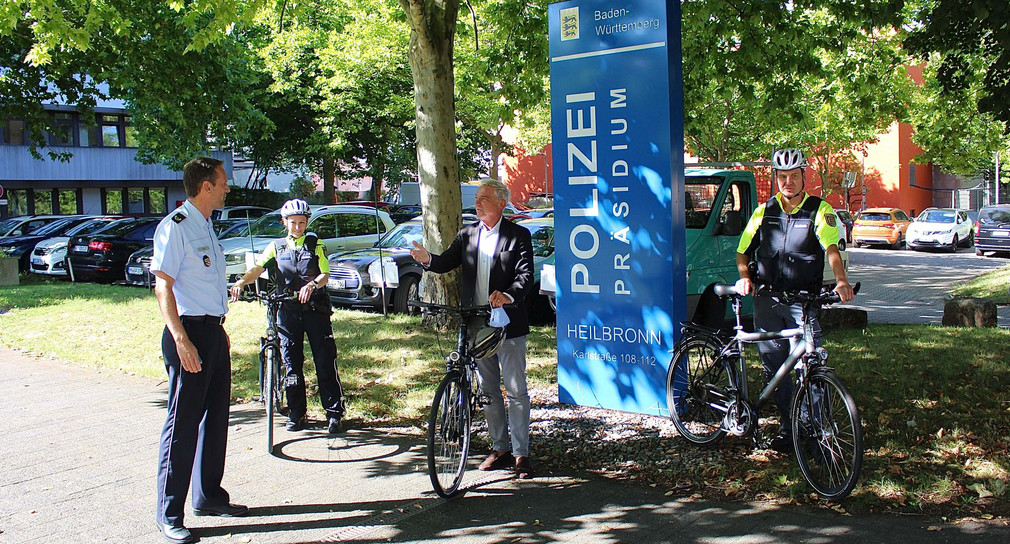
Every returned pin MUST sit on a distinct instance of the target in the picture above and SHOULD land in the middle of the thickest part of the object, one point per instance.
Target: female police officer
(300, 266)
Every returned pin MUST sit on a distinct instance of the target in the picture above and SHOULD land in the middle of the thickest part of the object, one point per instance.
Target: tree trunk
(432, 28)
(329, 170)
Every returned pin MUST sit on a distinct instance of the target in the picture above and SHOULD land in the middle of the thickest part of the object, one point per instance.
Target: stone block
(969, 312)
(9, 271)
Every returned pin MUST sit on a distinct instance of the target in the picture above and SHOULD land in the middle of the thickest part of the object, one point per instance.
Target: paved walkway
(910, 286)
(78, 449)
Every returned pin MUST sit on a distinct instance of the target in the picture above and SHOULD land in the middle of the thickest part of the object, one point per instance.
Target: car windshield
(874, 217)
(53, 227)
(402, 236)
(543, 240)
(123, 226)
(8, 224)
(994, 215)
(269, 225)
(936, 216)
(91, 226)
(698, 198)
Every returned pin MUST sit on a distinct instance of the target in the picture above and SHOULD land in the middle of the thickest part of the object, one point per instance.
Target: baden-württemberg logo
(569, 24)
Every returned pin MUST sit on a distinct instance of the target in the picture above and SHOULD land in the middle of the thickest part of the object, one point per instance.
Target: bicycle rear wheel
(827, 435)
(279, 382)
(448, 435)
(697, 386)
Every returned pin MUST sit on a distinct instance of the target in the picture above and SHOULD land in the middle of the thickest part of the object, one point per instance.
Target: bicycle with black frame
(272, 374)
(458, 395)
(706, 388)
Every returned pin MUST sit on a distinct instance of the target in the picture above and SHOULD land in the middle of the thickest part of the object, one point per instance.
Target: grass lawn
(994, 284)
(935, 401)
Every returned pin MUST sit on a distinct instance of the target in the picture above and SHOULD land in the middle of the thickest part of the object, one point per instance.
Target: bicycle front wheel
(827, 435)
(268, 390)
(448, 435)
(698, 389)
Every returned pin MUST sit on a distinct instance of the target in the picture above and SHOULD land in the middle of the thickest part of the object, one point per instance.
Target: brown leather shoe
(498, 461)
(524, 468)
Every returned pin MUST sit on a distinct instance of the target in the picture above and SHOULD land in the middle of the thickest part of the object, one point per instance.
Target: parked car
(940, 228)
(536, 213)
(138, 267)
(25, 224)
(356, 277)
(103, 256)
(846, 219)
(340, 227)
(880, 226)
(239, 212)
(22, 246)
(992, 231)
(49, 256)
(539, 306)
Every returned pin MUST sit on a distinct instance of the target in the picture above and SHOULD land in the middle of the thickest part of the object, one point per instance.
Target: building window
(157, 197)
(17, 201)
(43, 202)
(61, 133)
(13, 131)
(87, 135)
(129, 131)
(113, 201)
(69, 202)
(135, 204)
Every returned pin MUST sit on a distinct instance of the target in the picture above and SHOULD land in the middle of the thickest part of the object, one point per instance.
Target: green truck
(717, 205)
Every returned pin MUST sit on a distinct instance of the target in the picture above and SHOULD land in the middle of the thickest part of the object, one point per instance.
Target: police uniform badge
(829, 218)
(179, 218)
(206, 261)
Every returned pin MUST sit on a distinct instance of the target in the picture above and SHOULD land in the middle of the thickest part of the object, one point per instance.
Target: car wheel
(405, 292)
(970, 240)
(953, 244)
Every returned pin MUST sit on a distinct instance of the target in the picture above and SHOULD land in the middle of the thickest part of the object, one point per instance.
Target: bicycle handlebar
(268, 297)
(462, 311)
(789, 297)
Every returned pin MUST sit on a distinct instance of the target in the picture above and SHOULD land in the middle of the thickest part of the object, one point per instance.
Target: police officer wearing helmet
(789, 237)
(188, 265)
(496, 257)
(300, 266)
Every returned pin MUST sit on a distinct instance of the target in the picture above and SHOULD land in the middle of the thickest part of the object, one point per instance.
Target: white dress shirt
(486, 247)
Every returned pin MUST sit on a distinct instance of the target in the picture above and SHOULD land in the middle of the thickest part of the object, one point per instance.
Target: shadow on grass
(37, 291)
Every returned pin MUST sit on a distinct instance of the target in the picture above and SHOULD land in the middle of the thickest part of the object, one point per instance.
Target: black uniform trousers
(195, 435)
(293, 326)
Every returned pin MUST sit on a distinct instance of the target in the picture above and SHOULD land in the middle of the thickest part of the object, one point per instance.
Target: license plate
(37, 260)
(1001, 233)
(80, 249)
(135, 270)
(335, 284)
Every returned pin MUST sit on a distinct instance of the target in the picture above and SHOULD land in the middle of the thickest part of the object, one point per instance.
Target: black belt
(203, 319)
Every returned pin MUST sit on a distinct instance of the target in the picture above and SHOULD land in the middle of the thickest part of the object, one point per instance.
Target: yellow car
(880, 226)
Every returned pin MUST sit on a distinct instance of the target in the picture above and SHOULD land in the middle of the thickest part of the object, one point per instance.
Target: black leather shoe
(175, 535)
(334, 426)
(295, 425)
(782, 443)
(226, 511)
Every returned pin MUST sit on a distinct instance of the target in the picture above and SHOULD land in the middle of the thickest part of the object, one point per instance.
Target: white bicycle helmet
(295, 206)
(487, 342)
(788, 159)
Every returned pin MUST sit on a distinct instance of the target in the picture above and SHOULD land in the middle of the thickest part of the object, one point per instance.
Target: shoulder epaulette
(179, 217)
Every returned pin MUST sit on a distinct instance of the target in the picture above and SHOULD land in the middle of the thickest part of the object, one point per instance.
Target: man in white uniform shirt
(188, 265)
(497, 260)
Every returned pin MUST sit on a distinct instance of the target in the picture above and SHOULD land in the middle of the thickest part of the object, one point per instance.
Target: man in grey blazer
(497, 260)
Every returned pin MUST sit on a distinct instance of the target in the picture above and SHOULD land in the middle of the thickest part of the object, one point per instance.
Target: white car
(49, 255)
(239, 212)
(340, 227)
(26, 224)
(940, 228)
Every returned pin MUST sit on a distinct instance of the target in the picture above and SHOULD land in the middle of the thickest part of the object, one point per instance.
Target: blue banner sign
(617, 133)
